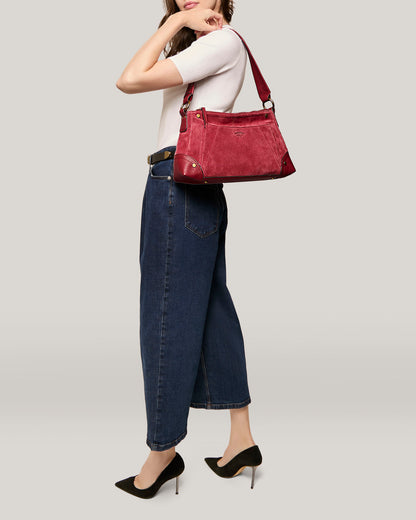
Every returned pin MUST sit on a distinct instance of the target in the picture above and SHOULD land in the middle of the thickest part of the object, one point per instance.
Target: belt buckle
(166, 155)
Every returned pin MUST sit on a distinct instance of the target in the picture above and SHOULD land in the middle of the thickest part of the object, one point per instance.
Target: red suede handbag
(217, 147)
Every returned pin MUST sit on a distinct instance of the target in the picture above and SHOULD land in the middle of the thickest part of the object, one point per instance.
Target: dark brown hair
(186, 36)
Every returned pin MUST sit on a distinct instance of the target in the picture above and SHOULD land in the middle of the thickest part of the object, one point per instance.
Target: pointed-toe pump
(249, 457)
(172, 470)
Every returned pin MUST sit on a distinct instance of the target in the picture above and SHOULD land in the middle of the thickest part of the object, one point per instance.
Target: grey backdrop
(320, 266)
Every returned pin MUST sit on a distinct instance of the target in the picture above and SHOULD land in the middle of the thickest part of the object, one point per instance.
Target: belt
(160, 156)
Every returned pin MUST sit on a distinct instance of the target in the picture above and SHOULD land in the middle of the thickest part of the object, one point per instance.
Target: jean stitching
(171, 443)
(171, 192)
(224, 222)
(220, 405)
(204, 369)
(188, 223)
(163, 323)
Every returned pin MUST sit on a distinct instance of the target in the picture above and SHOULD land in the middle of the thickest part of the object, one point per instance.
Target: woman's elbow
(128, 86)
(120, 85)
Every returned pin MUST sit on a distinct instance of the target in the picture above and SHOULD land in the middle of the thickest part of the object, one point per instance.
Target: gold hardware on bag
(193, 164)
(198, 115)
(166, 154)
(186, 105)
(148, 159)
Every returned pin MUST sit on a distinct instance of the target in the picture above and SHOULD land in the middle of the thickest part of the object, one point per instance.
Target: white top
(217, 62)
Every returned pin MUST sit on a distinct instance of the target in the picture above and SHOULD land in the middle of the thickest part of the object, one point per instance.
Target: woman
(191, 343)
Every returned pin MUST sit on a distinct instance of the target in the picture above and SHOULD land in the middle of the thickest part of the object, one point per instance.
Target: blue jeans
(191, 343)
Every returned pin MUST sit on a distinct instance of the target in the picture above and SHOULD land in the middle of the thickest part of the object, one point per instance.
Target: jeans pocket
(202, 209)
(160, 170)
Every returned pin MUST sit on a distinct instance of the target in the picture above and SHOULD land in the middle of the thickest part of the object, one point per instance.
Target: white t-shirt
(217, 62)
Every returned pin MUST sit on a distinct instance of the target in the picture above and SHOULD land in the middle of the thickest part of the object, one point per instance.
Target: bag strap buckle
(272, 102)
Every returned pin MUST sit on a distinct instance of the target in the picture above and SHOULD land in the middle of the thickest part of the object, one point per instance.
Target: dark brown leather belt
(160, 156)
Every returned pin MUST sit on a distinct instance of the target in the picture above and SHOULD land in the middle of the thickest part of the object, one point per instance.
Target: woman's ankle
(239, 441)
(164, 454)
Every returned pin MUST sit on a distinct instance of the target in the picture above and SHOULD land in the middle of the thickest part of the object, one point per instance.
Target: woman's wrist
(177, 20)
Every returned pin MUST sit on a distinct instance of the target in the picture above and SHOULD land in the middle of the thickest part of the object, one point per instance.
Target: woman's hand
(200, 20)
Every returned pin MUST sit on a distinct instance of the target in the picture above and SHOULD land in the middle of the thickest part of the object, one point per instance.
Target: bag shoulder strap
(261, 85)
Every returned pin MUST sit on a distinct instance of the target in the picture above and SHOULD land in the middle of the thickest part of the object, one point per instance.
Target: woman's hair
(186, 36)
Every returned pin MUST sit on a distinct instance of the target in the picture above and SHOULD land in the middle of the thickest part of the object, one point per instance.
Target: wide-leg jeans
(191, 343)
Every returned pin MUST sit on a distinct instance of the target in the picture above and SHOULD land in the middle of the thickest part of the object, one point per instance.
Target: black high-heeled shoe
(172, 470)
(249, 457)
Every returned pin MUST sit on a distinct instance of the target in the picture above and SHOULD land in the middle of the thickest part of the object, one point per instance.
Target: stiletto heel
(251, 457)
(172, 470)
(253, 471)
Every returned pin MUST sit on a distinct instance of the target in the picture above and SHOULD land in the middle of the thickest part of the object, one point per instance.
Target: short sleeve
(210, 54)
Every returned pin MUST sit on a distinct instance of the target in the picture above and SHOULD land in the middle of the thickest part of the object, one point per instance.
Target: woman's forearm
(149, 53)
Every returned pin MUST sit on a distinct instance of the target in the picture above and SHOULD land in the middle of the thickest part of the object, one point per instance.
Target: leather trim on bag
(184, 171)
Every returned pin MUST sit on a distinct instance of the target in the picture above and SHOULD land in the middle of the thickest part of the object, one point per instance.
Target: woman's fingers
(216, 18)
(203, 20)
